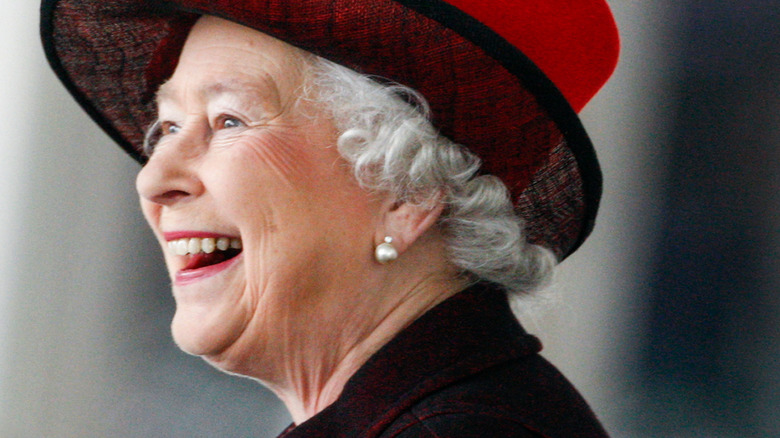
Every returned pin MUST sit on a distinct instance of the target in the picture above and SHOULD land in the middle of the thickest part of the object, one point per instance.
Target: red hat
(503, 77)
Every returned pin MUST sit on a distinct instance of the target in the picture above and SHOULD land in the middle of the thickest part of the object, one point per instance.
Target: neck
(316, 383)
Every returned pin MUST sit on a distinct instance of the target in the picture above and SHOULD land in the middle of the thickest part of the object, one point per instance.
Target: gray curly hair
(387, 136)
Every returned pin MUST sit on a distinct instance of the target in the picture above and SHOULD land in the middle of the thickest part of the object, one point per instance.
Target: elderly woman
(325, 232)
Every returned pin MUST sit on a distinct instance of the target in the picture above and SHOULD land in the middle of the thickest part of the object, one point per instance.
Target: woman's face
(241, 158)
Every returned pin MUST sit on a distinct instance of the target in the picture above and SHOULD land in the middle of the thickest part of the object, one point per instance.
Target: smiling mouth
(200, 253)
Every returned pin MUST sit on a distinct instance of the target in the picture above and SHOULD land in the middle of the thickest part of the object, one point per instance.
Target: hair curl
(387, 136)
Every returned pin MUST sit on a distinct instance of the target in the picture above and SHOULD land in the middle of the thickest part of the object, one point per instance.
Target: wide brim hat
(504, 78)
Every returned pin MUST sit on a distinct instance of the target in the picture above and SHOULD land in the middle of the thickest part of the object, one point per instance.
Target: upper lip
(175, 235)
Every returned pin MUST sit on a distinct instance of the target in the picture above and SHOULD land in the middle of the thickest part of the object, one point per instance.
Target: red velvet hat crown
(503, 77)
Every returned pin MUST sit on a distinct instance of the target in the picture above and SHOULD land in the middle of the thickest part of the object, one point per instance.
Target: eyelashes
(151, 139)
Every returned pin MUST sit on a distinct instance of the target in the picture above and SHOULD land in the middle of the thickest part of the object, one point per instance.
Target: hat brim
(484, 92)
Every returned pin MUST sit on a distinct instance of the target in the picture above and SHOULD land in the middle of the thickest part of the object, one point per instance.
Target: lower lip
(191, 276)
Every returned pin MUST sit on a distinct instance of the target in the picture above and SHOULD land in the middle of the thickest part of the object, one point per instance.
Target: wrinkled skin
(304, 304)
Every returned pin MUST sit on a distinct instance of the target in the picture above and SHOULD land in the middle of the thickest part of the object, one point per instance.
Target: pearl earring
(385, 251)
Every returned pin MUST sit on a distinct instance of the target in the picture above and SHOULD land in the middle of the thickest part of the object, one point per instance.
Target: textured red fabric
(483, 90)
(574, 42)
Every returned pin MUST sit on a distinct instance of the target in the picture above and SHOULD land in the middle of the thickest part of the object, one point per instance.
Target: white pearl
(385, 252)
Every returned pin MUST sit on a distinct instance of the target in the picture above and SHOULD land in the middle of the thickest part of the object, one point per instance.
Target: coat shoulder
(454, 424)
(526, 397)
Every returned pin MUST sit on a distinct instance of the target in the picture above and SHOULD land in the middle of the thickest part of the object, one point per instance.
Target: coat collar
(472, 331)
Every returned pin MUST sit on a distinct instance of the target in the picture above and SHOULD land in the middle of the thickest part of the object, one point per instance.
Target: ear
(406, 222)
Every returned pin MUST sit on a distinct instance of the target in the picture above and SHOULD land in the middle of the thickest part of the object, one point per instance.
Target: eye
(169, 128)
(228, 122)
(156, 133)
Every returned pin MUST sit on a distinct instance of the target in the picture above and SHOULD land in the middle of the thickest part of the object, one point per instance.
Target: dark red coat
(464, 369)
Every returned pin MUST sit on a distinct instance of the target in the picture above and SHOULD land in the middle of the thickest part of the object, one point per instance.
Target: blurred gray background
(667, 319)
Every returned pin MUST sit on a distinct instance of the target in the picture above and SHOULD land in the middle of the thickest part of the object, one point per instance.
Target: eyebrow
(267, 88)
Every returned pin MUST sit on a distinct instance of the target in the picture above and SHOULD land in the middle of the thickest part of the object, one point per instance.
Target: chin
(194, 335)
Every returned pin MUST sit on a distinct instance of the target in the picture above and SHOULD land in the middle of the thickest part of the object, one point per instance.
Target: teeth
(208, 245)
(223, 243)
(194, 245)
(180, 246)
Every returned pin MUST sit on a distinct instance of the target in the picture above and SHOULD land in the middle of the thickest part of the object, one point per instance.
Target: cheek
(290, 194)
(281, 157)
(275, 170)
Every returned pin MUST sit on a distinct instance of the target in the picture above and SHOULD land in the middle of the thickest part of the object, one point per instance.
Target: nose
(170, 177)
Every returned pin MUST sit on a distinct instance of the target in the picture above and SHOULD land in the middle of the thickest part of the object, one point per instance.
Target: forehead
(220, 56)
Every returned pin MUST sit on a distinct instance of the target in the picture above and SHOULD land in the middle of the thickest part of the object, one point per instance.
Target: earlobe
(406, 222)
